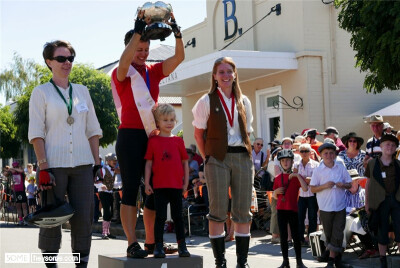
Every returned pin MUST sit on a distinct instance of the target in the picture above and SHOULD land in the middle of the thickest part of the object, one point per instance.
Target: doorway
(269, 119)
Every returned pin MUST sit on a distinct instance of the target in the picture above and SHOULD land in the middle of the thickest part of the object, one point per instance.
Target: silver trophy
(159, 13)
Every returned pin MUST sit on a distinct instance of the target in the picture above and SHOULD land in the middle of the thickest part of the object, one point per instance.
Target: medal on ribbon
(231, 114)
(70, 119)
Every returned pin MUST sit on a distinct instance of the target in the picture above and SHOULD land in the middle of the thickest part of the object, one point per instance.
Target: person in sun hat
(372, 147)
(387, 128)
(353, 156)
(333, 133)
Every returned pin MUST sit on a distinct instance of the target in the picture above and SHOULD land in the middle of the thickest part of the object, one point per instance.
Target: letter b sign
(230, 17)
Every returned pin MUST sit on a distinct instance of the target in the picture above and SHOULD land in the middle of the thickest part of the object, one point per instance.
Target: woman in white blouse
(65, 132)
(222, 121)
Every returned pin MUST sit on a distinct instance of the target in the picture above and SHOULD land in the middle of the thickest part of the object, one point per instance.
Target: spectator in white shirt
(307, 200)
(65, 132)
(330, 180)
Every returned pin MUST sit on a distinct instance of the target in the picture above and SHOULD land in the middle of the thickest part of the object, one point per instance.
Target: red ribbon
(230, 116)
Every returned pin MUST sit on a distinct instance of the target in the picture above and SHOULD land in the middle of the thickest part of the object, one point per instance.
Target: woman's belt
(236, 149)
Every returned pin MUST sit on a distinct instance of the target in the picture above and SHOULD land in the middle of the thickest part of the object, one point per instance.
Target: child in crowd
(19, 191)
(383, 193)
(105, 186)
(286, 190)
(31, 190)
(167, 158)
(330, 180)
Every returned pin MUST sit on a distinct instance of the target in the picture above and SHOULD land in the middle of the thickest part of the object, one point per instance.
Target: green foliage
(20, 74)
(9, 144)
(99, 85)
(180, 133)
(375, 36)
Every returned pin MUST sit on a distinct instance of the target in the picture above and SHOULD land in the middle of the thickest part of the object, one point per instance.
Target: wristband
(41, 161)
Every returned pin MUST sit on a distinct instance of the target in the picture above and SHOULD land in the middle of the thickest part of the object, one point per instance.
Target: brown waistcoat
(217, 133)
(376, 192)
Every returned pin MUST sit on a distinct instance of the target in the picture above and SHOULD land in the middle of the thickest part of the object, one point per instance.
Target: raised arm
(170, 64)
(129, 51)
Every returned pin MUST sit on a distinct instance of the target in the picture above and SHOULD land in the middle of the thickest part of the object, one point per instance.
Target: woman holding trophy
(135, 90)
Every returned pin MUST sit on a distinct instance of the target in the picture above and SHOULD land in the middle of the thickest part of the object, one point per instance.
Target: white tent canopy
(392, 110)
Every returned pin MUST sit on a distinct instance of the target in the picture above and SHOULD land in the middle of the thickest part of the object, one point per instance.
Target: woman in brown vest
(222, 121)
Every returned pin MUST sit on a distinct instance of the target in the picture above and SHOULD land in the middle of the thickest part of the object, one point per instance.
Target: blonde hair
(162, 110)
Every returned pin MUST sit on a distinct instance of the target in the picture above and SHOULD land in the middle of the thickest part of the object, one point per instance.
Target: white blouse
(66, 145)
(201, 113)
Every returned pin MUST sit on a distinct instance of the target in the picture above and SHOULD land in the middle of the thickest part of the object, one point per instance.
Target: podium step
(171, 261)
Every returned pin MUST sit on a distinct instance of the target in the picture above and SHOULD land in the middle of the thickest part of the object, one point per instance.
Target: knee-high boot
(242, 250)
(218, 247)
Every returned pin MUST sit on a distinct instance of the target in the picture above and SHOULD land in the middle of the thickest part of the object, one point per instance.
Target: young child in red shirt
(167, 159)
(286, 189)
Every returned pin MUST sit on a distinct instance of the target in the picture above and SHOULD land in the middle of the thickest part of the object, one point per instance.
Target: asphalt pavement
(17, 240)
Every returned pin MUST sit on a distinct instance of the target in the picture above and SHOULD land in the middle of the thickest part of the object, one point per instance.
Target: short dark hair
(128, 37)
(50, 47)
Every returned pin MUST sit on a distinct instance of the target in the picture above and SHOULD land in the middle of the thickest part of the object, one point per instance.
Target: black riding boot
(339, 264)
(285, 264)
(47, 255)
(218, 247)
(242, 249)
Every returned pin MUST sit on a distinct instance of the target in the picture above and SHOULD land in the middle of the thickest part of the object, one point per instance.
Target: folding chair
(197, 210)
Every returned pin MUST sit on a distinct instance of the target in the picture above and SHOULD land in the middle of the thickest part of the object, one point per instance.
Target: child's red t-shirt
(167, 154)
(291, 192)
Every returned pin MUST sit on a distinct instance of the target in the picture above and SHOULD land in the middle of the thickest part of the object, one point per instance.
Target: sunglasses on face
(260, 144)
(64, 59)
(304, 151)
(353, 141)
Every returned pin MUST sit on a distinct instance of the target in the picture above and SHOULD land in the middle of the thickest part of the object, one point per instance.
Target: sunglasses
(353, 141)
(64, 59)
(260, 144)
(304, 151)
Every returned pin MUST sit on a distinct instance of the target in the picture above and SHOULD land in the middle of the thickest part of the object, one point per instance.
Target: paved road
(15, 239)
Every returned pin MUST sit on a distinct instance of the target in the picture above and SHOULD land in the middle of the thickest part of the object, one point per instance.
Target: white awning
(194, 76)
(392, 110)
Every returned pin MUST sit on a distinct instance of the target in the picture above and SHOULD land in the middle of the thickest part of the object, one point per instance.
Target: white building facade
(300, 56)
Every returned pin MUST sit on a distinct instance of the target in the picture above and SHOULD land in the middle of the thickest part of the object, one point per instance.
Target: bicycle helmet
(51, 215)
(285, 153)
